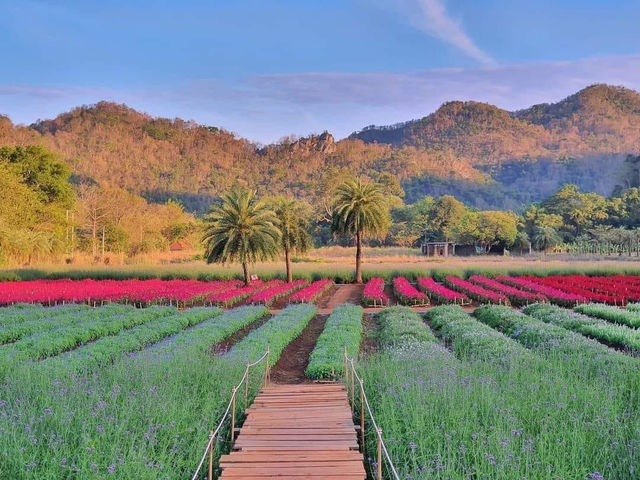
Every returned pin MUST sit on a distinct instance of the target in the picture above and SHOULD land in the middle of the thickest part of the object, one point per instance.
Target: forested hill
(599, 119)
(494, 158)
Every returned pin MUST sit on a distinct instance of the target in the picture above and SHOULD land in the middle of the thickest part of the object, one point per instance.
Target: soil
(349, 293)
(326, 297)
(225, 345)
(295, 357)
(369, 328)
(388, 289)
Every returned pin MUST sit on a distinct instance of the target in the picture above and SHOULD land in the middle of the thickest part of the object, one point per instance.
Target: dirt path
(349, 293)
(225, 345)
(295, 358)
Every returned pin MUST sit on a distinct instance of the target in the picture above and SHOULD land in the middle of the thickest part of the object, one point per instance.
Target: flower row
(407, 294)
(441, 294)
(516, 296)
(312, 292)
(481, 294)
(269, 295)
(373, 294)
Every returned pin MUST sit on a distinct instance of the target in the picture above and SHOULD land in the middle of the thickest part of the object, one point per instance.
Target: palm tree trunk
(245, 271)
(287, 259)
(358, 257)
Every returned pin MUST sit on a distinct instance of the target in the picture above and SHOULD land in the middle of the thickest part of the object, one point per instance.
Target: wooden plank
(297, 432)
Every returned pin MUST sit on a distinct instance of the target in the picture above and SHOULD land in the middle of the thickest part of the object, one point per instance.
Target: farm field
(480, 390)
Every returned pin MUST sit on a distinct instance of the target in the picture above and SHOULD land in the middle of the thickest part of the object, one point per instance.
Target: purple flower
(112, 468)
(595, 476)
(48, 411)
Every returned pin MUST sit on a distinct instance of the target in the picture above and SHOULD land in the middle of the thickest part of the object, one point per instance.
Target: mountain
(491, 157)
(599, 119)
(163, 158)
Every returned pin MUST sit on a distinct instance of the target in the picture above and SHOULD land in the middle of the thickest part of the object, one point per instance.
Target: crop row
(481, 294)
(554, 295)
(142, 292)
(271, 294)
(275, 334)
(107, 349)
(342, 331)
(441, 294)
(611, 314)
(471, 339)
(373, 294)
(61, 316)
(516, 296)
(233, 296)
(617, 335)
(401, 325)
(407, 294)
(99, 323)
(312, 292)
(547, 338)
(22, 312)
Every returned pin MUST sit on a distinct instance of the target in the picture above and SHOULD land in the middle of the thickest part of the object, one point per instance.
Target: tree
(360, 209)
(495, 227)
(242, 229)
(293, 221)
(545, 238)
(445, 214)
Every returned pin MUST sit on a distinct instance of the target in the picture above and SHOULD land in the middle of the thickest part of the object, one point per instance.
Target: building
(438, 249)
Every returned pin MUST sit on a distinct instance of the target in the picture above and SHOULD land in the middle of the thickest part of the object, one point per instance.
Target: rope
(375, 425)
(226, 413)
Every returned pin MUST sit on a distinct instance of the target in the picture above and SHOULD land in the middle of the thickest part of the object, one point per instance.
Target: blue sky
(265, 69)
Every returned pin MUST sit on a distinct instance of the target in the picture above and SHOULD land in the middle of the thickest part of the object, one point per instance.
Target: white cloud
(432, 18)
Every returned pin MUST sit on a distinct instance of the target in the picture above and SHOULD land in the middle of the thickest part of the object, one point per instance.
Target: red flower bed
(99, 291)
(516, 296)
(407, 294)
(578, 285)
(554, 295)
(271, 294)
(373, 294)
(440, 293)
(230, 297)
(312, 292)
(476, 292)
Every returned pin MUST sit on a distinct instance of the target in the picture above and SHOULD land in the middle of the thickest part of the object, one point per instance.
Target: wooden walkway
(297, 432)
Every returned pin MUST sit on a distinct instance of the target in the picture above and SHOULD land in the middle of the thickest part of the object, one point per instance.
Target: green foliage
(401, 325)
(42, 171)
(360, 208)
(343, 330)
(276, 334)
(610, 313)
(242, 229)
(615, 335)
(552, 340)
(471, 339)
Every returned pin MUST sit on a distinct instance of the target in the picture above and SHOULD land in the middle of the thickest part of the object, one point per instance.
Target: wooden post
(362, 415)
(353, 389)
(246, 387)
(212, 440)
(379, 466)
(233, 414)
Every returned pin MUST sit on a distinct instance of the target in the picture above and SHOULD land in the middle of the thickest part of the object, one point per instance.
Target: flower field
(127, 392)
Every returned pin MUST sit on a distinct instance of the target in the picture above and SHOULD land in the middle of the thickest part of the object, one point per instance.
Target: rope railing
(350, 376)
(231, 411)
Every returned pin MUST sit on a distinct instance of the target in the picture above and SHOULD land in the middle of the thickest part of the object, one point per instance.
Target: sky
(266, 69)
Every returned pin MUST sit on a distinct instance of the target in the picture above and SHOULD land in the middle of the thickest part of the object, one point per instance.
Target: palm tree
(545, 238)
(360, 209)
(293, 222)
(242, 229)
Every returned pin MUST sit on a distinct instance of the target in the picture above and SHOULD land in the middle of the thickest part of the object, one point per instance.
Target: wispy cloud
(432, 18)
(438, 23)
(267, 107)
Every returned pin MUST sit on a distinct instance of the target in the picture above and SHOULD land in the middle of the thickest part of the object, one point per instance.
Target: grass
(145, 417)
(342, 331)
(340, 268)
(540, 417)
